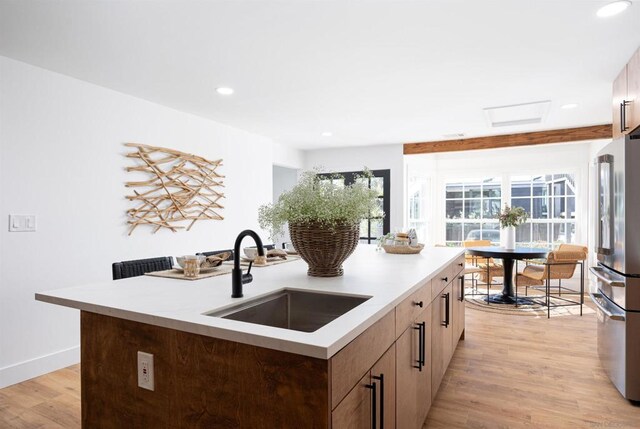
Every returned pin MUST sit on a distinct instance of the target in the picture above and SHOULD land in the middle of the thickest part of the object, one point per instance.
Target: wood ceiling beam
(565, 135)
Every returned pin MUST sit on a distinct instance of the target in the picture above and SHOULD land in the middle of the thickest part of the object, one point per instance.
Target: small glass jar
(191, 266)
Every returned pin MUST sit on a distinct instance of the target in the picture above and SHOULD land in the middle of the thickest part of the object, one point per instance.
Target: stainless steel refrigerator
(616, 278)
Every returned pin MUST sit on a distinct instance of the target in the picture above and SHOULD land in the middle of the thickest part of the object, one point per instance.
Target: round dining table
(508, 256)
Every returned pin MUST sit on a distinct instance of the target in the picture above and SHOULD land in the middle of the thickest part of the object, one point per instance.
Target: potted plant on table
(509, 219)
(323, 217)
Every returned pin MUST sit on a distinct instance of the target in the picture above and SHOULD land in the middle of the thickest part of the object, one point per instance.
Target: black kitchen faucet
(237, 278)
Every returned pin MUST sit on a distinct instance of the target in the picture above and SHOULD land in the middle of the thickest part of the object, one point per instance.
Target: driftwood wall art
(181, 187)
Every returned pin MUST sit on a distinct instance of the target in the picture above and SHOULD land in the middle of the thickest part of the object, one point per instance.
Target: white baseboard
(26, 370)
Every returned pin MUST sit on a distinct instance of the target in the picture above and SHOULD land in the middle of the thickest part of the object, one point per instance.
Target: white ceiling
(371, 72)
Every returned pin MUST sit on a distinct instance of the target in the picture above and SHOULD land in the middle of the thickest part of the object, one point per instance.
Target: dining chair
(560, 264)
(490, 268)
(138, 267)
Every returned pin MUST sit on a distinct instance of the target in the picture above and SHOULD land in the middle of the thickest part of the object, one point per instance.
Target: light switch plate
(22, 223)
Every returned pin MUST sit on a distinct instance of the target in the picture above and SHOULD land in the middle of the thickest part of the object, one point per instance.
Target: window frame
(490, 180)
(385, 175)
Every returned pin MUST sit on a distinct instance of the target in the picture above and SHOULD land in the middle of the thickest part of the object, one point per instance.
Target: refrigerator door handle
(599, 273)
(596, 298)
(604, 204)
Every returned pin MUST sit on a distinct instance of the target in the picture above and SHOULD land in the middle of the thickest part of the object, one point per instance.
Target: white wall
(375, 158)
(284, 156)
(283, 180)
(554, 158)
(62, 158)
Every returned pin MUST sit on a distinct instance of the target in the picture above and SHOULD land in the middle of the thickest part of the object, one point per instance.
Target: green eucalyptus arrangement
(512, 216)
(321, 202)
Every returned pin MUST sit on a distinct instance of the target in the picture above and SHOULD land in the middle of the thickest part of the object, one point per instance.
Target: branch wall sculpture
(182, 187)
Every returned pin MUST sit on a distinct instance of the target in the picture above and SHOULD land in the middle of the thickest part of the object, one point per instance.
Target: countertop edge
(324, 352)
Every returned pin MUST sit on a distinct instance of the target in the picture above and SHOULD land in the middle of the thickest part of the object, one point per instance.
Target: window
(473, 206)
(550, 201)
(418, 205)
(472, 209)
(373, 228)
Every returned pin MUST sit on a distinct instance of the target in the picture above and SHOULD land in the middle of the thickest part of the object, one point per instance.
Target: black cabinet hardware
(420, 344)
(419, 304)
(381, 379)
(374, 399)
(623, 116)
(421, 328)
(445, 279)
(461, 288)
(446, 297)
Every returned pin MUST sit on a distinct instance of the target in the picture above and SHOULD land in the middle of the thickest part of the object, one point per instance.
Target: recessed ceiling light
(327, 134)
(569, 106)
(613, 8)
(224, 90)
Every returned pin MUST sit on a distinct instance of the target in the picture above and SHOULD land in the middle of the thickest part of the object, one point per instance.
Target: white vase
(508, 237)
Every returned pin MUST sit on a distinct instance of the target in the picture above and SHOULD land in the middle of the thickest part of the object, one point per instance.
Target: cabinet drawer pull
(418, 304)
(461, 299)
(461, 264)
(446, 309)
(420, 347)
(381, 379)
(445, 279)
(423, 337)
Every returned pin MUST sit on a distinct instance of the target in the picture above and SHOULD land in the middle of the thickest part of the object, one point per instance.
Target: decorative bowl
(180, 259)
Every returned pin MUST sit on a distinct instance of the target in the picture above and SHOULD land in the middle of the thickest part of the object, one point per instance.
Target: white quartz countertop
(181, 304)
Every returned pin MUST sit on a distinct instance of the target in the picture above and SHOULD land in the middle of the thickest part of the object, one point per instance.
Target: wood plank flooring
(509, 372)
(50, 401)
(528, 372)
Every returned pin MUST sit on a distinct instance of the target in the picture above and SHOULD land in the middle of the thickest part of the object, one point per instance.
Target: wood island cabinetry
(384, 378)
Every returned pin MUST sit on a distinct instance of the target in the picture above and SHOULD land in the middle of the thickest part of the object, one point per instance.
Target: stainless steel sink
(292, 309)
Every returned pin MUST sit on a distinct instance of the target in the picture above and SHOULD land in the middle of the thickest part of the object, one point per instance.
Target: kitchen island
(382, 360)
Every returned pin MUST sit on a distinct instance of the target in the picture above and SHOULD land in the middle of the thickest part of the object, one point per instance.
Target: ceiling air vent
(517, 114)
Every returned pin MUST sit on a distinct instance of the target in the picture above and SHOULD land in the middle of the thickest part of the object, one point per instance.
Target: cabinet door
(354, 412)
(424, 378)
(458, 311)
(619, 96)
(383, 374)
(414, 394)
(633, 91)
(440, 337)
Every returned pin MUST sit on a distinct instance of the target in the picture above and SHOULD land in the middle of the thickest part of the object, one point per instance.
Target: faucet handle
(247, 277)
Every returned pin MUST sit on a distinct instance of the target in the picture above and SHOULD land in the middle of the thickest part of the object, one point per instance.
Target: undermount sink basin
(292, 309)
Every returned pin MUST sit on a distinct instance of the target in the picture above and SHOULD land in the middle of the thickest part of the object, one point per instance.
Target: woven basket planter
(324, 249)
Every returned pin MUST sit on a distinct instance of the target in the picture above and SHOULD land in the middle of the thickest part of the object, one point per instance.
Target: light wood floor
(527, 372)
(510, 372)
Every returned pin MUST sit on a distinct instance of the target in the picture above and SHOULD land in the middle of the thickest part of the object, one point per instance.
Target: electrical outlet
(145, 371)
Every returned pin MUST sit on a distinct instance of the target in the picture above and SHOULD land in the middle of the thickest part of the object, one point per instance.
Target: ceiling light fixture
(613, 8)
(569, 106)
(327, 134)
(224, 90)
